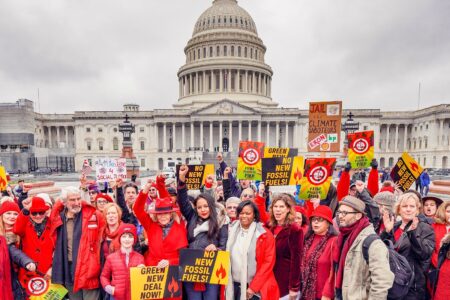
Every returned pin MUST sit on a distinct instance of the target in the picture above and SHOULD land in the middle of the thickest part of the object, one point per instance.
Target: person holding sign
(289, 245)
(252, 249)
(204, 232)
(115, 277)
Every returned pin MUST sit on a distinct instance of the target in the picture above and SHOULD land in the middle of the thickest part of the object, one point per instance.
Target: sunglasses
(41, 213)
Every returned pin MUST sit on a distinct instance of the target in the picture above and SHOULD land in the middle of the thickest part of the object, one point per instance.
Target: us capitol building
(225, 90)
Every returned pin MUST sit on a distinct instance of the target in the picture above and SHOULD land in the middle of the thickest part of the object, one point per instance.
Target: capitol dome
(225, 60)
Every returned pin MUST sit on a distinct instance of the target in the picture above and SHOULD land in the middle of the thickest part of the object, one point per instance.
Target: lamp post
(349, 126)
(127, 128)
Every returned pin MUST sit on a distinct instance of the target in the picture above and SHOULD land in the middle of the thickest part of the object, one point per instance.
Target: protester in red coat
(37, 236)
(5, 271)
(443, 275)
(441, 227)
(115, 277)
(166, 233)
(79, 223)
(252, 255)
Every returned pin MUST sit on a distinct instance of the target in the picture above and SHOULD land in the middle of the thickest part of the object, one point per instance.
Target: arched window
(256, 53)
(210, 51)
(115, 143)
(194, 54)
(204, 52)
(198, 54)
(232, 50)
(225, 50)
(218, 51)
(239, 51)
(218, 20)
(251, 53)
(245, 52)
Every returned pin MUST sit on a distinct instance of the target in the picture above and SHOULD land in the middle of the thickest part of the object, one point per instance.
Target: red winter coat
(289, 248)
(6, 292)
(40, 249)
(87, 270)
(117, 274)
(264, 281)
(159, 248)
(440, 230)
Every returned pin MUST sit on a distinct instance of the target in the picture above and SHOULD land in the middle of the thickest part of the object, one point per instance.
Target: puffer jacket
(117, 274)
(417, 247)
(201, 241)
(367, 281)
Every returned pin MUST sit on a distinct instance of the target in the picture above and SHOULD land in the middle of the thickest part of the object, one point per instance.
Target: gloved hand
(348, 167)
(374, 164)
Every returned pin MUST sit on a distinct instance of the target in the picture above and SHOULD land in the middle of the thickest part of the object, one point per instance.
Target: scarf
(309, 266)
(113, 236)
(39, 228)
(203, 227)
(345, 240)
(166, 229)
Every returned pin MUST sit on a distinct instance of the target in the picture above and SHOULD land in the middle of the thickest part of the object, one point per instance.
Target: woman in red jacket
(38, 239)
(252, 255)
(317, 263)
(289, 244)
(115, 277)
(113, 217)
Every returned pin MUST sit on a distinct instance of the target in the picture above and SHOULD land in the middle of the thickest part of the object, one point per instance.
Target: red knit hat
(9, 206)
(323, 211)
(103, 196)
(38, 205)
(300, 209)
(163, 206)
(128, 228)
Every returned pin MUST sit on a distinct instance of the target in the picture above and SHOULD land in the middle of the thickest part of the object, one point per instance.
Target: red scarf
(5, 271)
(113, 236)
(345, 240)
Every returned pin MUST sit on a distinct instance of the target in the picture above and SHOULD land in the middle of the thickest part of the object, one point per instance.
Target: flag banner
(278, 171)
(3, 179)
(197, 174)
(324, 133)
(360, 149)
(155, 283)
(108, 169)
(405, 172)
(279, 152)
(204, 266)
(40, 289)
(249, 160)
(317, 178)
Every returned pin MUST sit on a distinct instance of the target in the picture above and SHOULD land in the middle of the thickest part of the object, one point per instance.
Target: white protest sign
(107, 169)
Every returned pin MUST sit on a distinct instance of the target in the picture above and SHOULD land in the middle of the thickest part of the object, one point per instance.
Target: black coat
(21, 260)
(416, 246)
(201, 241)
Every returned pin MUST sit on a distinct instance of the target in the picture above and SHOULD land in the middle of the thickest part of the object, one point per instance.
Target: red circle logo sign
(37, 286)
(360, 146)
(318, 175)
(250, 156)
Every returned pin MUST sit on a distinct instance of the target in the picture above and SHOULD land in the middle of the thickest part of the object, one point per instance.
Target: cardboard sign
(406, 171)
(40, 289)
(317, 178)
(279, 152)
(204, 266)
(197, 174)
(3, 179)
(360, 149)
(86, 169)
(108, 169)
(155, 283)
(249, 160)
(278, 171)
(324, 133)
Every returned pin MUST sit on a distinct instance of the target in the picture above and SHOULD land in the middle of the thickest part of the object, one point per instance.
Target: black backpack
(403, 273)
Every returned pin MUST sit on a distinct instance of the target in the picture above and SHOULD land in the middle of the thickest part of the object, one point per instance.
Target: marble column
(287, 135)
(396, 138)
(441, 132)
(220, 136)
(230, 144)
(268, 133)
(67, 136)
(277, 134)
(192, 134)
(249, 130)
(174, 134)
(204, 82)
(213, 81)
(387, 137)
(221, 81)
(240, 131)
(259, 131)
(202, 144)
(155, 128)
(246, 82)
(164, 137)
(183, 137)
(211, 146)
(58, 136)
(405, 136)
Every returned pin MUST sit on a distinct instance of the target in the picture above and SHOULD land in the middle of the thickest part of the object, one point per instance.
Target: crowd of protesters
(346, 246)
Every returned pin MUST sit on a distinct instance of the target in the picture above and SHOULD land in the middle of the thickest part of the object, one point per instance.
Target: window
(100, 145)
(251, 53)
(88, 129)
(225, 50)
(232, 50)
(210, 51)
(115, 129)
(245, 52)
(204, 52)
(426, 126)
(100, 129)
(424, 161)
(142, 145)
(426, 143)
(90, 161)
(88, 145)
(141, 129)
(198, 54)
(115, 143)
(217, 51)
(365, 127)
(256, 53)
(239, 51)
(143, 162)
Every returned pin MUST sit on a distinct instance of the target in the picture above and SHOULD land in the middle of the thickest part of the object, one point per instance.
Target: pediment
(225, 107)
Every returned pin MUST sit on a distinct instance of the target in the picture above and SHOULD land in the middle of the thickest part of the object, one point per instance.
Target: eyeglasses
(317, 219)
(93, 193)
(41, 213)
(344, 213)
(232, 207)
(152, 190)
(247, 196)
(102, 201)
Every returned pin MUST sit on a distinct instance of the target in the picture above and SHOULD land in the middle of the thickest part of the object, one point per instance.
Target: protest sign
(3, 179)
(40, 289)
(204, 266)
(406, 171)
(197, 174)
(86, 168)
(278, 171)
(360, 149)
(249, 160)
(155, 283)
(317, 178)
(279, 152)
(107, 169)
(324, 126)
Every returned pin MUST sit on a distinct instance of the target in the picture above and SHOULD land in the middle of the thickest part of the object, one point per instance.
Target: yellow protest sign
(249, 160)
(278, 171)
(155, 283)
(204, 266)
(360, 149)
(406, 171)
(3, 179)
(197, 174)
(317, 178)
(279, 152)
(40, 289)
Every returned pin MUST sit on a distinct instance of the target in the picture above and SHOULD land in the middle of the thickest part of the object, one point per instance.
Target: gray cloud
(97, 55)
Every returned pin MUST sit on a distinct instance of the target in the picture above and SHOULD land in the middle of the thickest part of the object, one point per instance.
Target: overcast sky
(100, 54)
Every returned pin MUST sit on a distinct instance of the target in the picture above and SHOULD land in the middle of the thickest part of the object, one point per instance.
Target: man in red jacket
(76, 262)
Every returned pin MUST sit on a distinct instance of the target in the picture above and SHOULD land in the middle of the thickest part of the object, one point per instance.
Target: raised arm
(183, 202)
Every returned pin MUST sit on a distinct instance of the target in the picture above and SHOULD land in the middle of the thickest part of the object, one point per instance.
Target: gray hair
(70, 190)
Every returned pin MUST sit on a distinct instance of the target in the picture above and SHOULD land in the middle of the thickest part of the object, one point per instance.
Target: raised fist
(348, 167)
(374, 164)
(183, 172)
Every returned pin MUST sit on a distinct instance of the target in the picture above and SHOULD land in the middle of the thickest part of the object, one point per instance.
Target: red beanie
(323, 211)
(104, 196)
(9, 206)
(38, 205)
(128, 228)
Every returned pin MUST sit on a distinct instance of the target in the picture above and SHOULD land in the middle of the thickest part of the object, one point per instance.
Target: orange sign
(324, 133)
